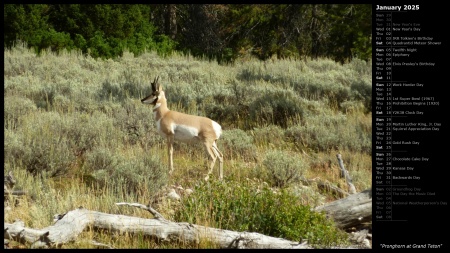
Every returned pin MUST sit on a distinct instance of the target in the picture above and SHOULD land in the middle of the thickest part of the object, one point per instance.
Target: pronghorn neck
(160, 107)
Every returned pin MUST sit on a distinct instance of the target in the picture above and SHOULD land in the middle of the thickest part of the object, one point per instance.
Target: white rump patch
(184, 133)
(217, 129)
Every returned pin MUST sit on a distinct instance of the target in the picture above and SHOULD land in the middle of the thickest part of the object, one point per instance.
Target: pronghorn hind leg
(212, 157)
(220, 156)
(170, 152)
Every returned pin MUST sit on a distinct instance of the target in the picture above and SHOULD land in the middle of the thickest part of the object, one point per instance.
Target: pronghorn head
(156, 90)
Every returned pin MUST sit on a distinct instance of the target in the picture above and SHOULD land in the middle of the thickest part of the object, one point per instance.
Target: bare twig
(148, 208)
(101, 245)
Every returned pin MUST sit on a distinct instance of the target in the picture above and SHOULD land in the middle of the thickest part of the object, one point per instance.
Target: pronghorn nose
(149, 100)
(145, 100)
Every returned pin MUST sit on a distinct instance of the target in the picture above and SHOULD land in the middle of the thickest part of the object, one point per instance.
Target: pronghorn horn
(154, 84)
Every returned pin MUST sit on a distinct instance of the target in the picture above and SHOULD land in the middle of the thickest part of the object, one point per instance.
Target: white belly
(181, 132)
(185, 133)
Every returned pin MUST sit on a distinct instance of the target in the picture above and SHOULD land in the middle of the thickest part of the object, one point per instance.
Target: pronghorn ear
(158, 86)
(155, 84)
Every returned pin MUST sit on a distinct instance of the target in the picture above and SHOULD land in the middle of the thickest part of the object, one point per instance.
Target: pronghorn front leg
(170, 152)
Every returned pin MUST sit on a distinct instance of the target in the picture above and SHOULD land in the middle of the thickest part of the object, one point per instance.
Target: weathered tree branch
(74, 222)
(344, 173)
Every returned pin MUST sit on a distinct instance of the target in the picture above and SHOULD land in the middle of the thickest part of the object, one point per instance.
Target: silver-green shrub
(85, 131)
(51, 142)
(275, 107)
(100, 158)
(272, 136)
(39, 151)
(16, 107)
(136, 121)
(284, 167)
(362, 91)
(331, 132)
(13, 148)
(143, 171)
(237, 143)
(118, 92)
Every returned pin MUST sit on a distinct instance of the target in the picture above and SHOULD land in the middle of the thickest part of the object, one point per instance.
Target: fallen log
(352, 211)
(70, 225)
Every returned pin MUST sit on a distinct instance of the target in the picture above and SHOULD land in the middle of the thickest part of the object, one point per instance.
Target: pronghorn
(184, 127)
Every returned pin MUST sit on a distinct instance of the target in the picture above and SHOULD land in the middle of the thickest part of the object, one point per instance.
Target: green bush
(103, 47)
(249, 207)
(57, 41)
(283, 167)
